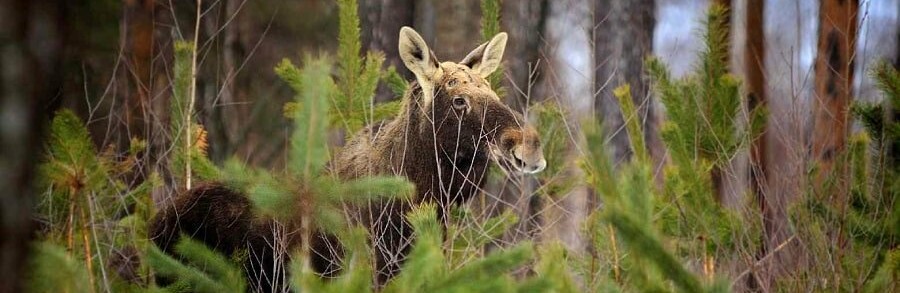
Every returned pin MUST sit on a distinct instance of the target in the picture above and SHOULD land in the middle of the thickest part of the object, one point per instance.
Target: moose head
(465, 116)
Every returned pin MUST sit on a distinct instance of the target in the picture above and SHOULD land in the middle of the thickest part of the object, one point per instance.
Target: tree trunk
(523, 21)
(754, 73)
(450, 27)
(831, 103)
(381, 21)
(226, 98)
(623, 38)
(31, 45)
(139, 51)
(143, 96)
(829, 127)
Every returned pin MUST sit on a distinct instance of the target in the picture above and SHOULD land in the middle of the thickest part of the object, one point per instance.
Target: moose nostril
(518, 162)
(535, 167)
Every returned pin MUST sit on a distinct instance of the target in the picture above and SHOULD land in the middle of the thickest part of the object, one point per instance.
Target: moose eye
(460, 103)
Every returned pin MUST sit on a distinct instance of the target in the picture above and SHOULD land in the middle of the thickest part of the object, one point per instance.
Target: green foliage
(357, 271)
(470, 235)
(73, 171)
(661, 229)
(89, 207)
(556, 179)
(488, 274)
(181, 88)
(51, 269)
(647, 248)
(631, 208)
(207, 271)
(367, 189)
(323, 101)
(89, 210)
(552, 267)
(871, 116)
(888, 81)
(318, 198)
(702, 135)
(357, 77)
(182, 124)
(871, 215)
(72, 158)
(395, 82)
(632, 123)
(885, 130)
(888, 275)
(426, 256)
(309, 151)
(703, 107)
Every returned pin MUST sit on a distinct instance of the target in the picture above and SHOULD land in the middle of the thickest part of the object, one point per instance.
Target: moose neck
(448, 173)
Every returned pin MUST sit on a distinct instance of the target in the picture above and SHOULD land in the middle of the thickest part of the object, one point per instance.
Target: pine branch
(395, 82)
(309, 149)
(887, 78)
(888, 274)
(552, 266)
(646, 247)
(632, 122)
(194, 278)
(52, 270)
(425, 257)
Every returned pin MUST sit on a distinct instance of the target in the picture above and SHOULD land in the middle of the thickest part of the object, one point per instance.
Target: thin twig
(763, 259)
(187, 118)
(70, 224)
(88, 257)
(91, 212)
(612, 238)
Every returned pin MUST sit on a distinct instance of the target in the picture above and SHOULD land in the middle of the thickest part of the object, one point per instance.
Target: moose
(450, 127)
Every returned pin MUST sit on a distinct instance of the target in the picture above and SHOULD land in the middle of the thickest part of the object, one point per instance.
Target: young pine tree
(645, 237)
(871, 218)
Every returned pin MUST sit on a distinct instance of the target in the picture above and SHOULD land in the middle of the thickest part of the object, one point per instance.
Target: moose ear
(485, 59)
(416, 55)
(420, 60)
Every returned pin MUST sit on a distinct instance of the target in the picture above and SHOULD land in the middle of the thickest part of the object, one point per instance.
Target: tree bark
(381, 21)
(139, 51)
(31, 46)
(523, 21)
(226, 98)
(623, 37)
(449, 27)
(831, 103)
(829, 126)
(754, 73)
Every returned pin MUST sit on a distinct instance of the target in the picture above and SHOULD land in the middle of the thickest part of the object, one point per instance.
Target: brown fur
(451, 126)
(222, 219)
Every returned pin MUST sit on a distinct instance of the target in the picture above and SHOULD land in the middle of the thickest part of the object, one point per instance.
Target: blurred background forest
(112, 63)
